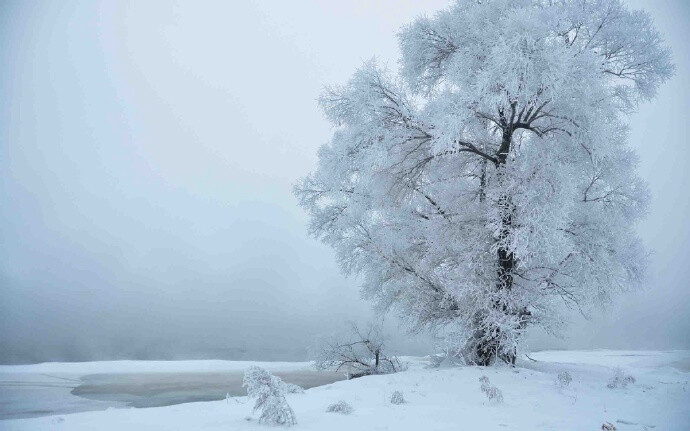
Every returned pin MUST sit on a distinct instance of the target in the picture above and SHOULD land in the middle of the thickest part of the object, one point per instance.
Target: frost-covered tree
(492, 179)
(359, 353)
(269, 392)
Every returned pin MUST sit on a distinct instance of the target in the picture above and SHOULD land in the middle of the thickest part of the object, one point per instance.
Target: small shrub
(491, 391)
(563, 379)
(358, 353)
(620, 380)
(397, 398)
(341, 407)
(292, 388)
(269, 392)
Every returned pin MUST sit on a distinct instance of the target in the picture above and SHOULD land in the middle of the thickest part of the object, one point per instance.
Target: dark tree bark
(488, 345)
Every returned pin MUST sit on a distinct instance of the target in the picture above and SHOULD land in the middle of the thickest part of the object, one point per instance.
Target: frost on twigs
(292, 388)
(269, 392)
(397, 398)
(620, 380)
(359, 353)
(563, 379)
(450, 342)
(342, 407)
(491, 391)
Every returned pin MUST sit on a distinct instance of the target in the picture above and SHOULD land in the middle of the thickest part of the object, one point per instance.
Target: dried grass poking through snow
(620, 380)
(397, 398)
(341, 407)
(491, 391)
(563, 379)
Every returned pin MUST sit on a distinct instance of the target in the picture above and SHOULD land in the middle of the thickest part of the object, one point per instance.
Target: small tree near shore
(359, 353)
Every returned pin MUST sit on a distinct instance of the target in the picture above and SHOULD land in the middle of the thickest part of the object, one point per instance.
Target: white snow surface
(436, 399)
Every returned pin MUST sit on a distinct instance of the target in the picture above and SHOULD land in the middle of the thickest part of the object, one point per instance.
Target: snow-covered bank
(449, 399)
(61, 388)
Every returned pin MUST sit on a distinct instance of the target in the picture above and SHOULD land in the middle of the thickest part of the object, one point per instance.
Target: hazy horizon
(148, 153)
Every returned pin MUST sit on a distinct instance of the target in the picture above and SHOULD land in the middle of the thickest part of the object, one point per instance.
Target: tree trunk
(488, 340)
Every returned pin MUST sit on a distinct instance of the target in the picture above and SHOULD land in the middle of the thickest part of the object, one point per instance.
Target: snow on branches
(269, 392)
(492, 181)
(357, 353)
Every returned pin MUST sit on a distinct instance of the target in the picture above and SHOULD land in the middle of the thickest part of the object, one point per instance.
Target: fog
(148, 152)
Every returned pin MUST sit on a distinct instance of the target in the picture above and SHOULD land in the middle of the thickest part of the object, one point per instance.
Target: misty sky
(147, 155)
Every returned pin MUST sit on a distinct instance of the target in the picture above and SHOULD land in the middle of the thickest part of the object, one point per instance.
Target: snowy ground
(448, 399)
(60, 388)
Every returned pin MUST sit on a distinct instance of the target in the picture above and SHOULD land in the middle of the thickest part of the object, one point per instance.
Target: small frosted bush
(269, 392)
(341, 407)
(292, 388)
(491, 391)
(620, 380)
(359, 353)
(397, 398)
(563, 379)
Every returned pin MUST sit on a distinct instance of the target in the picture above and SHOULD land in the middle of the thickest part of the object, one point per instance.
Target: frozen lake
(49, 389)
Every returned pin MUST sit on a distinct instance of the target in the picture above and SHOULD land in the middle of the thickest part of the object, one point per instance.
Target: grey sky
(148, 150)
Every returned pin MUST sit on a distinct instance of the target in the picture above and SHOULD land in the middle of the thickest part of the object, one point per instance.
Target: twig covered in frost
(359, 353)
(342, 407)
(292, 388)
(397, 398)
(491, 391)
(269, 392)
(563, 379)
(450, 341)
(620, 380)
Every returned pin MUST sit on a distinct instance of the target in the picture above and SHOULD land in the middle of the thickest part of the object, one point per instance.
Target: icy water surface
(31, 395)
